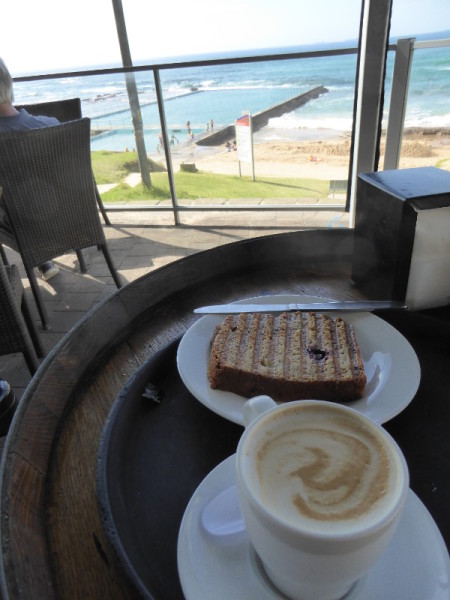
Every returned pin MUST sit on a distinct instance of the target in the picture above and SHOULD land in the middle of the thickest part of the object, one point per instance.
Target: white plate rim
(398, 377)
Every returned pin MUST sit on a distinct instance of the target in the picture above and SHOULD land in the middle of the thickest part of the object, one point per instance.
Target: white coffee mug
(321, 488)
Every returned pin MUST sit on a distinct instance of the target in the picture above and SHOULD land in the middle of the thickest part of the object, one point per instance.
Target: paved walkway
(139, 243)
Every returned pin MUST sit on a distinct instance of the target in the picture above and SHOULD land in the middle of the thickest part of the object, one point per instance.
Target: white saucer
(416, 565)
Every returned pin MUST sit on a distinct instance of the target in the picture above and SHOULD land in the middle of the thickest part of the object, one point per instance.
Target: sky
(40, 36)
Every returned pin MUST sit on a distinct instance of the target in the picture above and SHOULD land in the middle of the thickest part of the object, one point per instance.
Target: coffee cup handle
(255, 407)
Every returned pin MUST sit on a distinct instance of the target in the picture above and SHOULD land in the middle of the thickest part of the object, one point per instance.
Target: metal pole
(374, 37)
(132, 92)
(399, 97)
(162, 118)
(251, 147)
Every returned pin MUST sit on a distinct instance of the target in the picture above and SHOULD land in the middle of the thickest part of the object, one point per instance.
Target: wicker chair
(49, 196)
(63, 110)
(17, 332)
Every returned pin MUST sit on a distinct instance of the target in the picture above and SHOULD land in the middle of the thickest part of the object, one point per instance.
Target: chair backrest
(63, 110)
(49, 191)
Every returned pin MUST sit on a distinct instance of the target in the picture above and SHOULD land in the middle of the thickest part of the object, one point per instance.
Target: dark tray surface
(153, 456)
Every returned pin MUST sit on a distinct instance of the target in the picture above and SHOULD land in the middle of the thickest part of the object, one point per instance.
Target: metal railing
(403, 52)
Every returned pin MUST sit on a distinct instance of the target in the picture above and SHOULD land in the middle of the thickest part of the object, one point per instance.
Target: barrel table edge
(35, 424)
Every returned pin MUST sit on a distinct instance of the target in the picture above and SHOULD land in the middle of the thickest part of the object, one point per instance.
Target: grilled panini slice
(290, 356)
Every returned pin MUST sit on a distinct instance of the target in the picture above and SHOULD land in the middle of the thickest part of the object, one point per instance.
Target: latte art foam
(323, 467)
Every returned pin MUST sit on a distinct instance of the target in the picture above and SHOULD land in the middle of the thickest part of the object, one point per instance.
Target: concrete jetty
(261, 118)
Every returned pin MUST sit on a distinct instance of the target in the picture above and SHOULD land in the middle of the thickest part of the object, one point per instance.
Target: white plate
(391, 365)
(415, 566)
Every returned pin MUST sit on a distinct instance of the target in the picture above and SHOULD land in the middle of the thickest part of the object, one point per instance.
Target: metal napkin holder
(402, 236)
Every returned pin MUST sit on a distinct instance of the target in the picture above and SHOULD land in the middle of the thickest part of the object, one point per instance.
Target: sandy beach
(311, 155)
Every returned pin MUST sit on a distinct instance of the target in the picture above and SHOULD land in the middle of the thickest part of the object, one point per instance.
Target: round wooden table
(53, 535)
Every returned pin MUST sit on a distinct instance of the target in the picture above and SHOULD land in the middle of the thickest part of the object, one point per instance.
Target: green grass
(113, 167)
(109, 166)
(208, 185)
(124, 193)
(443, 163)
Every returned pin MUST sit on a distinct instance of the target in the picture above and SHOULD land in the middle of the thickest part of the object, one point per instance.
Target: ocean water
(225, 92)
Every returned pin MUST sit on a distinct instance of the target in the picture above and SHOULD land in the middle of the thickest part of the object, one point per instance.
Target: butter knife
(346, 305)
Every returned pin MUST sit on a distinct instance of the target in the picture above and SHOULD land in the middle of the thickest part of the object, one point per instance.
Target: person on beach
(211, 125)
(12, 119)
(161, 141)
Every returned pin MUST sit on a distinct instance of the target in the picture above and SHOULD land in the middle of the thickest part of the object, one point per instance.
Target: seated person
(15, 120)
(8, 405)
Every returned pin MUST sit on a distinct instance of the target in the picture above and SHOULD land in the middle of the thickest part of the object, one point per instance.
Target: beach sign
(244, 141)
